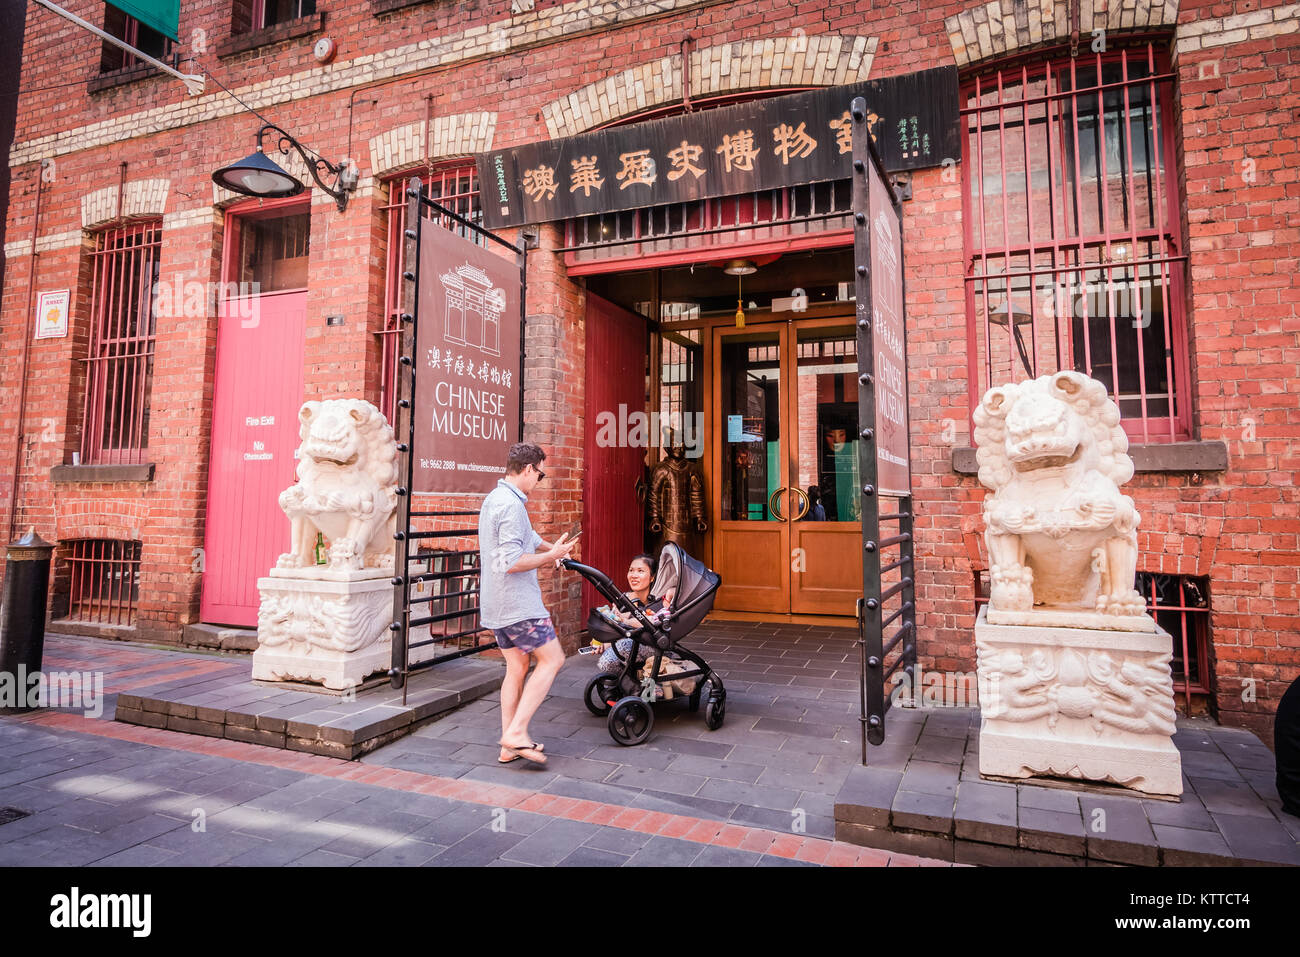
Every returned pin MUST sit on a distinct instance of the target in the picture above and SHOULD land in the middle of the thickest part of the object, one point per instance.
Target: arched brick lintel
(459, 134)
(1004, 27)
(796, 60)
(140, 197)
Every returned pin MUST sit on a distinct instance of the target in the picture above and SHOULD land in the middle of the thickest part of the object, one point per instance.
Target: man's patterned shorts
(527, 635)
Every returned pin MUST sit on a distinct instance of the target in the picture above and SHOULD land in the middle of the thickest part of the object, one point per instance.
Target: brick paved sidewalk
(107, 793)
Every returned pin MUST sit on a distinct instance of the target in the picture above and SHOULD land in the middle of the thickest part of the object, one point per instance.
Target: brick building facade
(416, 86)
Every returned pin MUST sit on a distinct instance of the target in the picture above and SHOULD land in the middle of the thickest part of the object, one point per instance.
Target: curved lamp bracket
(344, 176)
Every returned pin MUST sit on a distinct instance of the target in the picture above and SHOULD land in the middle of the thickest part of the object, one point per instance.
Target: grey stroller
(626, 696)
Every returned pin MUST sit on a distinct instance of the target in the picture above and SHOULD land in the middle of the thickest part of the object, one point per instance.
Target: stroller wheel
(714, 712)
(600, 691)
(631, 721)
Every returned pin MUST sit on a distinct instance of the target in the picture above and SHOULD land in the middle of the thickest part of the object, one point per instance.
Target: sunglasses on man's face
(540, 474)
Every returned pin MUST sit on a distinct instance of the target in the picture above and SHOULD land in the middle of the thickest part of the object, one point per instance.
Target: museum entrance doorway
(785, 513)
(767, 413)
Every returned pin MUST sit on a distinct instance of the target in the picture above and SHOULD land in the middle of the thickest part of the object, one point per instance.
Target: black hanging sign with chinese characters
(786, 140)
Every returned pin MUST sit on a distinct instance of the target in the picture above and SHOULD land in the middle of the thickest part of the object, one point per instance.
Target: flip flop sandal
(524, 752)
(536, 747)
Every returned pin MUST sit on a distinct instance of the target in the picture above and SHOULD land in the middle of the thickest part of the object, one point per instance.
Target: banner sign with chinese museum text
(763, 144)
(893, 465)
(467, 355)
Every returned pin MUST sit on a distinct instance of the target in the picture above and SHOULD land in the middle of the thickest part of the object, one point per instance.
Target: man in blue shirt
(510, 599)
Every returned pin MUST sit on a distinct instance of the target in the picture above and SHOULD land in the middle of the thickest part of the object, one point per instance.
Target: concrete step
(222, 637)
(291, 717)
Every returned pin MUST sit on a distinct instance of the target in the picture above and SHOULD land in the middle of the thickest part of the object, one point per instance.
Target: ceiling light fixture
(740, 267)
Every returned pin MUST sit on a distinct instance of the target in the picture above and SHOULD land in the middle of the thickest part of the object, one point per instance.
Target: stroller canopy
(691, 579)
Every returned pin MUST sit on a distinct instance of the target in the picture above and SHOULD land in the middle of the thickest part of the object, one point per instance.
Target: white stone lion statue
(346, 490)
(1060, 534)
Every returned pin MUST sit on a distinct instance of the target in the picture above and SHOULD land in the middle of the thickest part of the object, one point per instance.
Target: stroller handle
(601, 582)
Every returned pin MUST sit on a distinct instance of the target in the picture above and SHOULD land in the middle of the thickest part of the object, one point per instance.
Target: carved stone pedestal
(330, 628)
(1081, 703)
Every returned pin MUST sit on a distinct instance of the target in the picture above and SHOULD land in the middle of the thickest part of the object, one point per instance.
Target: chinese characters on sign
(467, 363)
(787, 140)
(586, 176)
(638, 168)
(790, 142)
(683, 159)
(540, 183)
(737, 150)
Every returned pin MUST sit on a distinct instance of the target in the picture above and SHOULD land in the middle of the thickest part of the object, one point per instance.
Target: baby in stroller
(641, 631)
(640, 575)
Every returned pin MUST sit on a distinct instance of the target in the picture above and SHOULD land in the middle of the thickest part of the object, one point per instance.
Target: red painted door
(258, 392)
(615, 389)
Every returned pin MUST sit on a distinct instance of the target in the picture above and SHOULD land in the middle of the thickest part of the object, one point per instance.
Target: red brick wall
(1240, 528)
(1244, 240)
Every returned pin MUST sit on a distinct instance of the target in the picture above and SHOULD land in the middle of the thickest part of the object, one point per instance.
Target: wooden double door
(785, 502)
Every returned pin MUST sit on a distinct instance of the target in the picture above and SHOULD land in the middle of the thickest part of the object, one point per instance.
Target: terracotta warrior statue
(675, 502)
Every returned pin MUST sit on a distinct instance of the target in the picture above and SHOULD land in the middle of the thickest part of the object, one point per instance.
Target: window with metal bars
(1180, 604)
(1070, 205)
(103, 580)
(681, 377)
(455, 186)
(119, 360)
(128, 28)
(248, 16)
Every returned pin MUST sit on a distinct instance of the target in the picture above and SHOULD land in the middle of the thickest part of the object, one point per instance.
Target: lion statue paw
(1012, 587)
(343, 554)
(1129, 603)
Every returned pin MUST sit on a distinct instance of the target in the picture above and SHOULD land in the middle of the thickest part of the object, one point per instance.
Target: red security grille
(1071, 210)
(723, 222)
(120, 357)
(454, 187)
(104, 580)
(1180, 604)
(608, 240)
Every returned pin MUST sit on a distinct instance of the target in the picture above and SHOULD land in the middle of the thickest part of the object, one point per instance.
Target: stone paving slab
(417, 805)
(917, 799)
(234, 707)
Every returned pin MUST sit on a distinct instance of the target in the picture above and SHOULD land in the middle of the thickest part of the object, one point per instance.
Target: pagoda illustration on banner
(474, 308)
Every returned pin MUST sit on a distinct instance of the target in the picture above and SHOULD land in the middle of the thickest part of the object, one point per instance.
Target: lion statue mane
(1059, 532)
(346, 490)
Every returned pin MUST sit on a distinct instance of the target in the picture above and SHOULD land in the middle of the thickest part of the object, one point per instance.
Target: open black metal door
(888, 565)
(457, 308)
